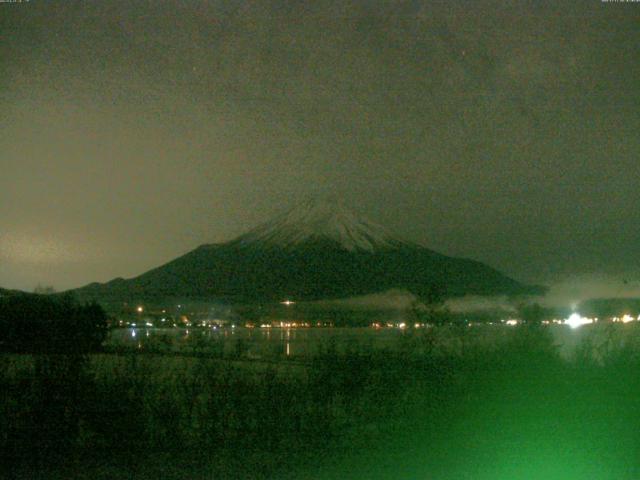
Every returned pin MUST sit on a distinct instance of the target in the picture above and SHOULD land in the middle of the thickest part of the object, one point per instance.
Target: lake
(306, 342)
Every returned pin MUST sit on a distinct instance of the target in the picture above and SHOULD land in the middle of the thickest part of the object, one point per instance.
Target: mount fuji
(317, 250)
(322, 221)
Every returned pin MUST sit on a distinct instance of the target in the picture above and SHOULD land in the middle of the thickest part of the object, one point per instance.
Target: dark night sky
(134, 131)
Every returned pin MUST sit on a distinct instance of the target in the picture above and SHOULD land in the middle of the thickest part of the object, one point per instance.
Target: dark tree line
(31, 323)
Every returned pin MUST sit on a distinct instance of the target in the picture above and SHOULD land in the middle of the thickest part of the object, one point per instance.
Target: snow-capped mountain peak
(322, 220)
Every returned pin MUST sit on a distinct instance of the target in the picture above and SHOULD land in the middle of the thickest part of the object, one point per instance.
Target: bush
(46, 324)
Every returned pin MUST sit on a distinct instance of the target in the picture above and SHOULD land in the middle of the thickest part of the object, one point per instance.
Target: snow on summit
(322, 220)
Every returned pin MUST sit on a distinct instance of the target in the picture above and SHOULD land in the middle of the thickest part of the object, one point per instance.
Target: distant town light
(287, 302)
(626, 318)
(576, 320)
(140, 309)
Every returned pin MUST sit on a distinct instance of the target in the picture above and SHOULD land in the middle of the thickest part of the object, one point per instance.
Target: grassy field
(508, 409)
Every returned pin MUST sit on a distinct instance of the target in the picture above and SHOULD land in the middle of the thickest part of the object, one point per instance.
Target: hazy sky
(132, 132)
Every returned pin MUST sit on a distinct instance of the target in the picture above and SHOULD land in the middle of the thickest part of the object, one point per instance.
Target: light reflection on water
(308, 341)
(259, 341)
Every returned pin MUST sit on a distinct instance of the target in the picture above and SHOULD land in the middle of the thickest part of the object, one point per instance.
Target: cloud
(44, 249)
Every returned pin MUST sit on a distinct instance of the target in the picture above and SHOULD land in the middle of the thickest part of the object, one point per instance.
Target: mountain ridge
(310, 252)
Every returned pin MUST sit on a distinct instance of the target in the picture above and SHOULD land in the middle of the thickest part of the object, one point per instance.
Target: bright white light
(140, 309)
(133, 333)
(512, 322)
(627, 319)
(576, 320)
(288, 302)
(402, 325)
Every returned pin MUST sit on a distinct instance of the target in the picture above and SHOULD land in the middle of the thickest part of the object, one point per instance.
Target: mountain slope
(312, 252)
(314, 221)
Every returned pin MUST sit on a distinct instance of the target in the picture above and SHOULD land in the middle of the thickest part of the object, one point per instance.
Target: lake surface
(305, 342)
(259, 342)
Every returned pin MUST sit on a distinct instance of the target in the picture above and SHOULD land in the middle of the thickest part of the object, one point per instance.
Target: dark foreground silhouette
(511, 410)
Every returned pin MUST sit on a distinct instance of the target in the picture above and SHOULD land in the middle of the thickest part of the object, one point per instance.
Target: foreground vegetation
(511, 410)
(46, 324)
